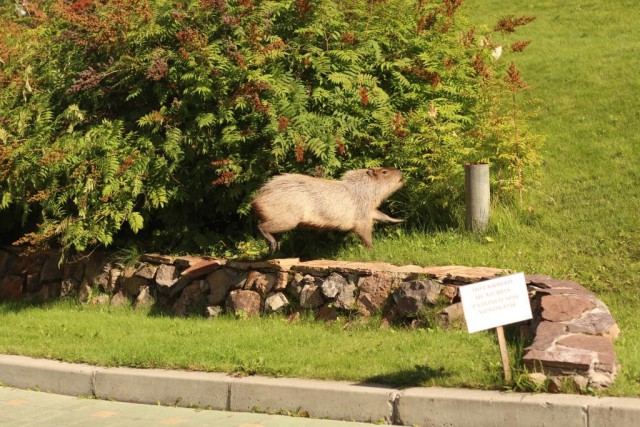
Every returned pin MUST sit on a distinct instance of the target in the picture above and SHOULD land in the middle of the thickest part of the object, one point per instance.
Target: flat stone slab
(458, 273)
(546, 284)
(204, 267)
(600, 346)
(279, 264)
(560, 308)
(325, 267)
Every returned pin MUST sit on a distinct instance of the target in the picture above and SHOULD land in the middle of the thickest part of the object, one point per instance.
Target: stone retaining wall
(572, 329)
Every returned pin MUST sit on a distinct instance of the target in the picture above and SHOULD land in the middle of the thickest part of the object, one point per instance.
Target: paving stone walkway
(33, 408)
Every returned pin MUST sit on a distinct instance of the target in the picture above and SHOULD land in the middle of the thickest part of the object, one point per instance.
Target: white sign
(495, 302)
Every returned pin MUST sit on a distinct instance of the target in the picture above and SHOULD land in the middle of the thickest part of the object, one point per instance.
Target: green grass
(581, 223)
(355, 351)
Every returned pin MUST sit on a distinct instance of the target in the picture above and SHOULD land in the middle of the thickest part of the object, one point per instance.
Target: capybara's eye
(384, 172)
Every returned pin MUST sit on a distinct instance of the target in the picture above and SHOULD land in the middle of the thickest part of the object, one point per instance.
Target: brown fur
(291, 200)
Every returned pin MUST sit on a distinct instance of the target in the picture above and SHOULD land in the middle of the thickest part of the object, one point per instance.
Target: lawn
(581, 222)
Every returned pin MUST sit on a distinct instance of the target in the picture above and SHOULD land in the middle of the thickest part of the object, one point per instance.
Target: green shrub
(169, 115)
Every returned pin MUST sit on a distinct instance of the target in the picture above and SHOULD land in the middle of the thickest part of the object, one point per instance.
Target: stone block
(327, 313)
(119, 299)
(5, 262)
(275, 302)
(213, 311)
(374, 292)
(68, 287)
(554, 361)
(157, 258)
(546, 335)
(187, 261)
(203, 268)
(451, 314)
(549, 285)
(166, 276)
(462, 274)
(273, 265)
(602, 346)
(192, 299)
(595, 322)
(51, 272)
(132, 283)
(333, 285)
(147, 271)
(282, 279)
(311, 296)
(560, 308)
(412, 297)
(32, 283)
(144, 299)
(220, 283)
(114, 280)
(324, 267)
(11, 288)
(244, 302)
(49, 291)
(262, 283)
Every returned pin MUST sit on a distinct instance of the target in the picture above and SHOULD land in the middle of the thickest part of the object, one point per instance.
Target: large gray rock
(311, 296)
(333, 285)
(275, 302)
(412, 297)
(346, 299)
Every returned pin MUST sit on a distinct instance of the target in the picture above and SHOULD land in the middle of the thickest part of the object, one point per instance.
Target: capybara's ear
(371, 172)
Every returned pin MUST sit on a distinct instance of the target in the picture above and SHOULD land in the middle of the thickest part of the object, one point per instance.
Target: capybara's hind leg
(274, 245)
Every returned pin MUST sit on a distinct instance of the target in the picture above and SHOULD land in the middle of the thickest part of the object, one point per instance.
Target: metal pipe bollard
(477, 196)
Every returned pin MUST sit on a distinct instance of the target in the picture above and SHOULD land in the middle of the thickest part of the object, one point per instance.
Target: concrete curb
(320, 399)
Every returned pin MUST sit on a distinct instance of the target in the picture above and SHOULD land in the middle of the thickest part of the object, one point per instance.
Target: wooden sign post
(494, 303)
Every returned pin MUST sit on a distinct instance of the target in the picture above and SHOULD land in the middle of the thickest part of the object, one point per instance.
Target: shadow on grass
(419, 375)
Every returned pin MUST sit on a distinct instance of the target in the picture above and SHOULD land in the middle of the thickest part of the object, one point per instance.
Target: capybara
(291, 200)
